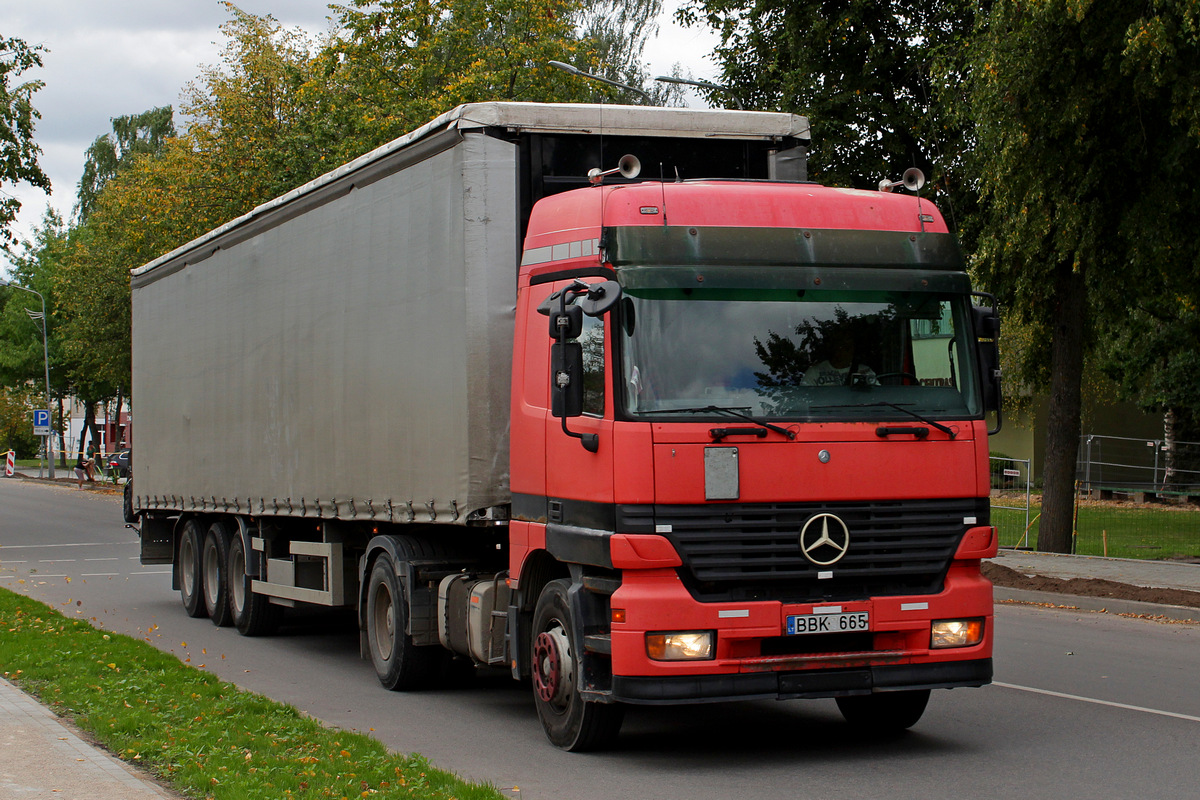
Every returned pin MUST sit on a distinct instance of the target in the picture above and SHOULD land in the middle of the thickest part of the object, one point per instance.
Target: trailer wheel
(885, 712)
(214, 566)
(127, 503)
(399, 663)
(191, 584)
(253, 614)
(570, 722)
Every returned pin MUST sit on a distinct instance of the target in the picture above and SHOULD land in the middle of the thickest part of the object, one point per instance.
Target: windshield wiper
(723, 410)
(885, 404)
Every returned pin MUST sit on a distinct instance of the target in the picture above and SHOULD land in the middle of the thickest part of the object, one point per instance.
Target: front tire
(399, 664)
(571, 722)
(214, 566)
(191, 582)
(884, 712)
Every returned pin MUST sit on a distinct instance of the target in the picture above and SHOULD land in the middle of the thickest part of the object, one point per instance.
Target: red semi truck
(669, 441)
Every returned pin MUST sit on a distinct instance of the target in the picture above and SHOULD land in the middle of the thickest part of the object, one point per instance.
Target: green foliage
(203, 736)
(397, 64)
(861, 70)
(16, 419)
(252, 127)
(1156, 360)
(18, 151)
(133, 135)
(1064, 111)
(22, 354)
(1086, 165)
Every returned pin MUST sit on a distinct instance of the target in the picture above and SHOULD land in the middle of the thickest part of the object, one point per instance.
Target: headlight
(956, 633)
(683, 646)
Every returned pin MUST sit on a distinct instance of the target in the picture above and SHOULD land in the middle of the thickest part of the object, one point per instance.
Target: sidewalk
(1135, 572)
(1161, 574)
(40, 757)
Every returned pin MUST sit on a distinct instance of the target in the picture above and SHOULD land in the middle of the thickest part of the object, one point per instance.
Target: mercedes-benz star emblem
(824, 539)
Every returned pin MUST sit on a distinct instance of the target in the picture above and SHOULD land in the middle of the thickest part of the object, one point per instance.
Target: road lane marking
(99, 574)
(110, 558)
(1097, 701)
(78, 544)
(153, 572)
(55, 560)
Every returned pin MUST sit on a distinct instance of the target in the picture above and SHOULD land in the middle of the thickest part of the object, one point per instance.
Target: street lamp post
(701, 85)
(46, 355)
(577, 71)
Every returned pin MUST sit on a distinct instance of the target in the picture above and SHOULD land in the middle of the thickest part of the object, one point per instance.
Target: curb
(101, 487)
(1103, 604)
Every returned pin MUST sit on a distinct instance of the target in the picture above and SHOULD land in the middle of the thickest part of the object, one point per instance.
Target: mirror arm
(590, 441)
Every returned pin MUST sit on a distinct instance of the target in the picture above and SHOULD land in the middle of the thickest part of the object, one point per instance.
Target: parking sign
(41, 422)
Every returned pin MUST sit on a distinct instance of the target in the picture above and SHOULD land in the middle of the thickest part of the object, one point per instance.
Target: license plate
(828, 623)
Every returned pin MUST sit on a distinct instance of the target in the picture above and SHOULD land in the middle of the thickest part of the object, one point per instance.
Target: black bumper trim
(809, 683)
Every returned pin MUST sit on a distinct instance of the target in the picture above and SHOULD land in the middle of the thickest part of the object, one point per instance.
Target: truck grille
(744, 552)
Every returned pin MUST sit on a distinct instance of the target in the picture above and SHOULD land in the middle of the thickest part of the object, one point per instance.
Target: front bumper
(804, 684)
(755, 658)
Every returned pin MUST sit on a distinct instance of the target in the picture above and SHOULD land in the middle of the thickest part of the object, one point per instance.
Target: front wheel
(570, 721)
(885, 712)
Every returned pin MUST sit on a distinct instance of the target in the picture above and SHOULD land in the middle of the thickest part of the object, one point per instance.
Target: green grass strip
(1146, 533)
(203, 736)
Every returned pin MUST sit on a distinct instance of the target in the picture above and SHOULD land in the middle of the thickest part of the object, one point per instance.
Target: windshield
(797, 354)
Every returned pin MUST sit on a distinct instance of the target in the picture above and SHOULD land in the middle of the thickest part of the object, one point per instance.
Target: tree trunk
(1171, 467)
(1063, 421)
(117, 428)
(89, 427)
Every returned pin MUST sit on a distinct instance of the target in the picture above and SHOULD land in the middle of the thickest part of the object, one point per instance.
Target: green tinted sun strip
(701, 246)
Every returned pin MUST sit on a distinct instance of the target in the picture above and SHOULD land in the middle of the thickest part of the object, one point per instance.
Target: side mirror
(986, 321)
(566, 372)
(566, 390)
(987, 348)
(600, 298)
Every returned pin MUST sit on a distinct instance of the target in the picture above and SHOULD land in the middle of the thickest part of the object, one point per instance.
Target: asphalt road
(1084, 705)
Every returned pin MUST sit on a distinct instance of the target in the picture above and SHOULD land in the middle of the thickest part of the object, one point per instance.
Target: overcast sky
(110, 58)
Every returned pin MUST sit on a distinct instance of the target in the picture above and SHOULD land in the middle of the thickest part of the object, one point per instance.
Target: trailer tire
(191, 583)
(253, 614)
(571, 722)
(884, 712)
(127, 503)
(214, 566)
(399, 664)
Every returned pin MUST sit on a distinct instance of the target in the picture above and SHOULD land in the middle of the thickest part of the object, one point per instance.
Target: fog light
(689, 646)
(956, 633)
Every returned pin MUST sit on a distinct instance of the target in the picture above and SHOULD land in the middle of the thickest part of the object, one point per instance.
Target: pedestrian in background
(83, 466)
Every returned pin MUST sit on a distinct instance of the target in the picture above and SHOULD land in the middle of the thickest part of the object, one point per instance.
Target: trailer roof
(609, 120)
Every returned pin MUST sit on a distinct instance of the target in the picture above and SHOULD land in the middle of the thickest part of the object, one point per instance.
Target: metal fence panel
(1122, 465)
(1011, 492)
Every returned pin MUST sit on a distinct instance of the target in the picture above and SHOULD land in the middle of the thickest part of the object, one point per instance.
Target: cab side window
(592, 340)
